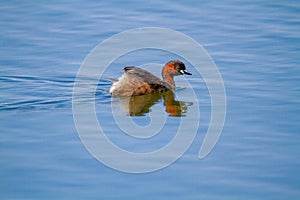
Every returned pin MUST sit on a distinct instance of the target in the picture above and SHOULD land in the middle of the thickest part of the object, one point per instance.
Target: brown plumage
(137, 81)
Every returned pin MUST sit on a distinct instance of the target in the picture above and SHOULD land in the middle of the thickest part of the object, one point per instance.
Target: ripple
(31, 92)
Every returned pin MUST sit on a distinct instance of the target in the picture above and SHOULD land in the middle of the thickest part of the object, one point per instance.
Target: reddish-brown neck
(168, 74)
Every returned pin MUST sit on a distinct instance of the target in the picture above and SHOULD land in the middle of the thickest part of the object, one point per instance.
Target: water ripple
(30, 92)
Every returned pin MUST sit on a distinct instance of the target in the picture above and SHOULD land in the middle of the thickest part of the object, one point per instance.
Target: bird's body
(137, 81)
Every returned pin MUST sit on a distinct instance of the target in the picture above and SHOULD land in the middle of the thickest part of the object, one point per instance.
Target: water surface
(253, 43)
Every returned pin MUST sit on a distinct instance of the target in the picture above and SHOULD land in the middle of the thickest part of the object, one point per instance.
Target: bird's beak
(185, 72)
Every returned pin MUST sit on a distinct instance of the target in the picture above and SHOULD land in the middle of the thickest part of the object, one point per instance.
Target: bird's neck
(168, 76)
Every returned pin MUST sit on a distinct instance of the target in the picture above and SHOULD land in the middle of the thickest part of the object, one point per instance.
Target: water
(253, 43)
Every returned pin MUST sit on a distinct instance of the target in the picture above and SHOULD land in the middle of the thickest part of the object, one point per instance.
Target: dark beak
(185, 72)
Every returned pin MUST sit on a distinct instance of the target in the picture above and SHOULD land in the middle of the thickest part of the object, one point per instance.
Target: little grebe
(137, 81)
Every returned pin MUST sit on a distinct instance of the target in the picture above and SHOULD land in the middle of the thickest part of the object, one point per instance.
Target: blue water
(255, 45)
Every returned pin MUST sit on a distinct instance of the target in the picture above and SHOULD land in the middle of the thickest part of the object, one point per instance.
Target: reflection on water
(140, 105)
(257, 156)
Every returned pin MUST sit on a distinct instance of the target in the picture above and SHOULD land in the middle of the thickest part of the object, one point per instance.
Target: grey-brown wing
(143, 76)
(136, 81)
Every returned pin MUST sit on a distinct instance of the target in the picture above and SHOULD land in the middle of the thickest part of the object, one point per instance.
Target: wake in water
(30, 92)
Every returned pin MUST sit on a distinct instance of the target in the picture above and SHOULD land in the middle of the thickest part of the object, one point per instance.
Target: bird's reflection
(140, 105)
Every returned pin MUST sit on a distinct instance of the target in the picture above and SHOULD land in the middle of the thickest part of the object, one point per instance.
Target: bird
(137, 81)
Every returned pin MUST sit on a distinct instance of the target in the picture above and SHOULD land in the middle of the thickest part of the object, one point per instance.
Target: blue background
(255, 45)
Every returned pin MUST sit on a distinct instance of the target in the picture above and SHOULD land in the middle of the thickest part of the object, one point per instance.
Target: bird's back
(137, 81)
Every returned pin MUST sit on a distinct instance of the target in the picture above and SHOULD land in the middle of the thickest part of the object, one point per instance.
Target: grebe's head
(178, 67)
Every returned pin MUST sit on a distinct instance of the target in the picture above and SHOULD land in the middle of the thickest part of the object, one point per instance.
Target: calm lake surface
(255, 45)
